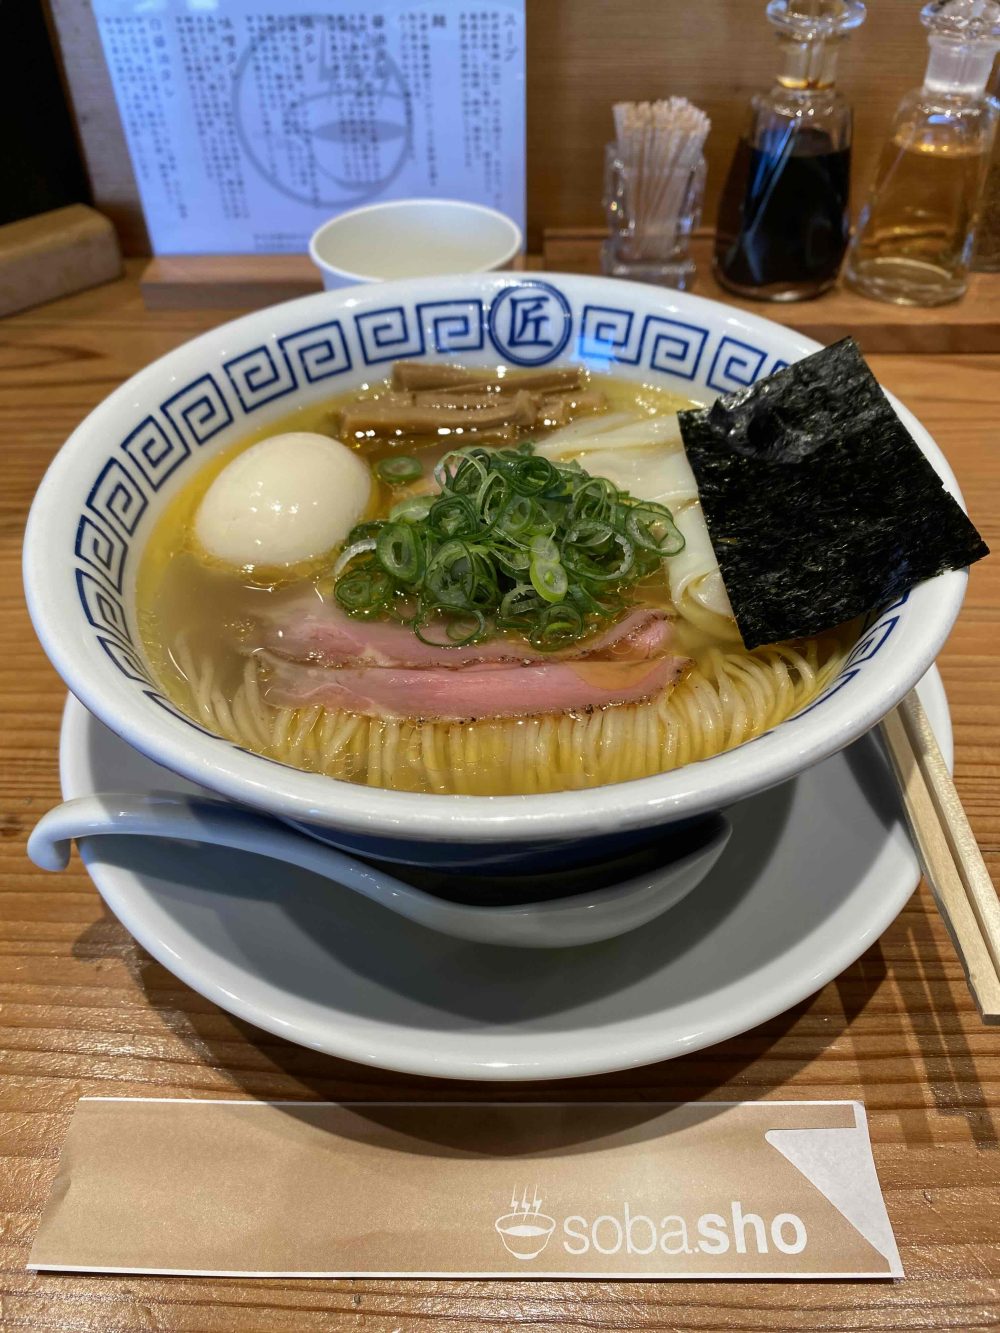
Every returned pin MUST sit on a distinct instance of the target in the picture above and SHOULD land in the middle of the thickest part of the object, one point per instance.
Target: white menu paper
(250, 122)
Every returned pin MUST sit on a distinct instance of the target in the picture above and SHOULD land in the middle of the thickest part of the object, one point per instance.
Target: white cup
(413, 238)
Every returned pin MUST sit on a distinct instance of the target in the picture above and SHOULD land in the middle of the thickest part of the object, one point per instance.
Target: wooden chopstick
(951, 859)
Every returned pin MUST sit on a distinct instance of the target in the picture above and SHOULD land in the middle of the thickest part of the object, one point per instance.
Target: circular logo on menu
(530, 324)
(322, 111)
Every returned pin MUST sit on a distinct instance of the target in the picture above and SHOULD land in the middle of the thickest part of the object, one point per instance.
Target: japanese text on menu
(251, 123)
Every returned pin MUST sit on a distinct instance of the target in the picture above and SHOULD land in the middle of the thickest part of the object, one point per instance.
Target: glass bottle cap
(965, 20)
(810, 20)
(963, 37)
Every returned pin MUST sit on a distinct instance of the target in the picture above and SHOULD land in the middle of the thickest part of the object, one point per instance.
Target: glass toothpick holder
(651, 215)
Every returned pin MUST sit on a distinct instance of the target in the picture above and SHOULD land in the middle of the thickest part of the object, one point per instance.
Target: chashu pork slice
(308, 629)
(492, 689)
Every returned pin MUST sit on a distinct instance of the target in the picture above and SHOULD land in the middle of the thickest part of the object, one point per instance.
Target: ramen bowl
(111, 480)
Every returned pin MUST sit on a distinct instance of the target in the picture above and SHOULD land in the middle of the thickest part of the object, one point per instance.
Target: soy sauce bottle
(783, 222)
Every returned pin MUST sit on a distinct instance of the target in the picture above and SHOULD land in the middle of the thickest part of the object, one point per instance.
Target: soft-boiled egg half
(285, 500)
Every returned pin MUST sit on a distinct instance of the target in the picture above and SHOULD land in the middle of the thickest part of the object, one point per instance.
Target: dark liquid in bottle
(783, 220)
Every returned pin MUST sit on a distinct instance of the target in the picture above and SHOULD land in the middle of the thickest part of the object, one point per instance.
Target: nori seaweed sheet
(819, 503)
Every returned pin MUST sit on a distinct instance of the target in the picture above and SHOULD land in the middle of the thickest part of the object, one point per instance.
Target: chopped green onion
(589, 568)
(362, 590)
(548, 578)
(591, 534)
(363, 532)
(491, 498)
(544, 548)
(450, 576)
(411, 510)
(512, 558)
(533, 475)
(512, 542)
(522, 601)
(460, 628)
(398, 469)
(351, 553)
(400, 553)
(556, 627)
(453, 516)
(653, 529)
(515, 517)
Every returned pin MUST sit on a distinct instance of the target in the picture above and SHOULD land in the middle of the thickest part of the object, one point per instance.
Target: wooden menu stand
(234, 282)
(226, 282)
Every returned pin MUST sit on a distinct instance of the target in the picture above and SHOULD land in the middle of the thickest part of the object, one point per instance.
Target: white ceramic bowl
(413, 238)
(103, 492)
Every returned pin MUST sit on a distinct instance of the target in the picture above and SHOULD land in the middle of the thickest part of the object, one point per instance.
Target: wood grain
(582, 56)
(84, 1010)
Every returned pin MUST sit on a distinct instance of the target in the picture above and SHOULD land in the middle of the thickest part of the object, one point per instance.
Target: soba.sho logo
(526, 1231)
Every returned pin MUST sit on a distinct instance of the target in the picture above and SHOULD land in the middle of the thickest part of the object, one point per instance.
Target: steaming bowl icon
(525, 1235)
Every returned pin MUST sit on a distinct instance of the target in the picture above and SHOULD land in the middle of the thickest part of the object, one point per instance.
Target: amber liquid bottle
(783, 217)
(916, 232)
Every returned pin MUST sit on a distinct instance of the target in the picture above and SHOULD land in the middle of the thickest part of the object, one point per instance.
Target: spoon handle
(565, 921)
(221, 824)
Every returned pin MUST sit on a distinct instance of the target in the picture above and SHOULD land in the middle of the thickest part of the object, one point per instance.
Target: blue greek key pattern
(452, 326)
(873, 617)
(610, 334)
(869, 643)
(735, 365)
(157, 698)
(102, 549)
(117, 497)
(316, 353)
(155, 453)
(387, 335)
(198, 411)
(875, 634)
(672, 346)
(258, 378)
(126, 660)
(102, 607)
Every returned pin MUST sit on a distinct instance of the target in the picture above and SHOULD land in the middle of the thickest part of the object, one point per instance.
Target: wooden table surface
(84, 1010)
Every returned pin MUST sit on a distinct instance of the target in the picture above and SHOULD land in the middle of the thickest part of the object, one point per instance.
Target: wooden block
(969, 325)
(226, 282)
(236, 282)
(55, 254)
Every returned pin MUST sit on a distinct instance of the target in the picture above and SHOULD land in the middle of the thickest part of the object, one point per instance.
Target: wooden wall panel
(582, 56)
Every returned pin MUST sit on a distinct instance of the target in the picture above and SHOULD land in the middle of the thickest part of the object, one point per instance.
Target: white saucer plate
(815, 871)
